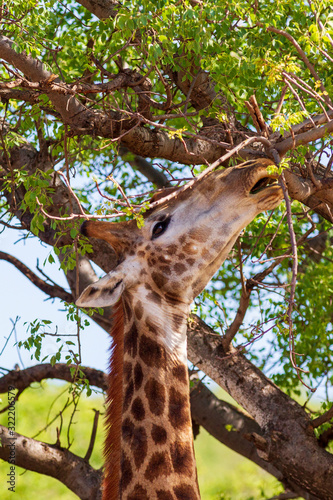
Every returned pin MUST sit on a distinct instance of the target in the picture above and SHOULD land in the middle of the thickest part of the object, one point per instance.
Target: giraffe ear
(104, 292)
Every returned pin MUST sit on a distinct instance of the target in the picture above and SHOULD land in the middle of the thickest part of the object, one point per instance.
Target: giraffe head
(186, 237)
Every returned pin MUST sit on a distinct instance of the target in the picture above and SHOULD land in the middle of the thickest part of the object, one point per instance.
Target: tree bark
(46, 459)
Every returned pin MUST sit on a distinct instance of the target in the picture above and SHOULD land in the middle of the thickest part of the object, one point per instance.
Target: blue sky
(19, 297)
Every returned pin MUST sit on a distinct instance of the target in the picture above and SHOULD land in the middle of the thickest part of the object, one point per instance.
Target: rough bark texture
(61, 464)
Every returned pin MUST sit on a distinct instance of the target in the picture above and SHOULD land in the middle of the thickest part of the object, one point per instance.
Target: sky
(19, 297)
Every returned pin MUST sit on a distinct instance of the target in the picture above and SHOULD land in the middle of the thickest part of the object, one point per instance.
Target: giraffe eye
(160, 227)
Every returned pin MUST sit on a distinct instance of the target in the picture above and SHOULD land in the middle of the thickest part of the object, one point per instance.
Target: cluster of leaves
(39, 329)
(228, 39)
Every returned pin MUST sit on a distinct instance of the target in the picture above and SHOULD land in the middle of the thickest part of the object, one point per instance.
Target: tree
(91, 89)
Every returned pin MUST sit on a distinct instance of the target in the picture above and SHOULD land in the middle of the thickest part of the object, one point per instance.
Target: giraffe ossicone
(161, 268)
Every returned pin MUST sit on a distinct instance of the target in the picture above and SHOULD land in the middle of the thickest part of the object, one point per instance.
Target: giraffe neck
(158, 460)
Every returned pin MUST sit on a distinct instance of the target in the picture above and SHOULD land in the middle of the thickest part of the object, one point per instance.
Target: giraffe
(160, 269)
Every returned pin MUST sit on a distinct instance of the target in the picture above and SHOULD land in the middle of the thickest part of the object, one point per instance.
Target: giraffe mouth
(263, 183)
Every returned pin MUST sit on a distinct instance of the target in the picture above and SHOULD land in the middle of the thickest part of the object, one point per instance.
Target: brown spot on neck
(152, 353)
(164, 495)
(159, 434)
(159, 465)
(179, 409)
(155, 297)
(180, 372)
(138, 310)
(185, 492)
(126, 476)
(138, 493)
(131, 341)
(159, 279)
(156, 396)
(138, 376)
(182, 458)
(137, 409)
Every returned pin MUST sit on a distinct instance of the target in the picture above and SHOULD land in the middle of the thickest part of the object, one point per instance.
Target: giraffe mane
(114, 403)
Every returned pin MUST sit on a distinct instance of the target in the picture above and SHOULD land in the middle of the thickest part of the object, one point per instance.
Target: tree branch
(238, 319)
(46, 459)
(19, 95)
(144, 167)
(311, 135)
(303, 190)
(101, 8)
(51, 290)
(328, 415)
(22, 379)
(69, 107)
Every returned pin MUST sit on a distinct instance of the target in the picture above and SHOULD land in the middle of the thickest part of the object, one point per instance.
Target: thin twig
(281, 101)
(76, 216)
(291, 299)
(270, 241)
(307, 89)
(118, 186)
(92, 437)
(11, 333)
(298, 99)
(72, 193)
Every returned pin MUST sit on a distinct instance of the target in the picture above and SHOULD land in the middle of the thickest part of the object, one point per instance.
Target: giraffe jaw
(264, 188)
